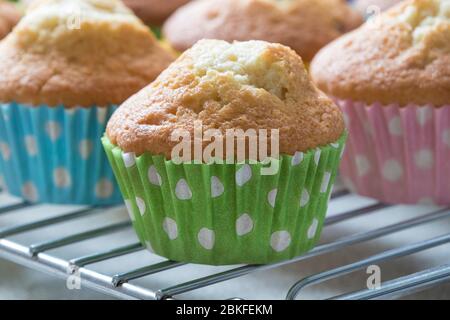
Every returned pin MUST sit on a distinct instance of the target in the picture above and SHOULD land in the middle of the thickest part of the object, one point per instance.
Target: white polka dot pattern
(424, 159)
(29, 192)
(129, 207)
(280, 240)
(61, 178)
(171, 228)
(182, 190)
(424, 114)
(362, 165)
(395, 126)
(325, 182)
(5, 151)
(129, 159)
(53, 130)
(304, 199)
(31, 146)
(335, 145)
(392, 170)
(297, 158)
(206, 238)
(141, 205)
(312, 230)
(101, 115)
(272, 197)
(244, 225)
(153, 176)
(243, 175)
(85, 148)
(104, 189)
(317, 156)
(217, 187)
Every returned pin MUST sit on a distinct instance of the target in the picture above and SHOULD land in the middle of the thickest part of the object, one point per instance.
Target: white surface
(19, 283)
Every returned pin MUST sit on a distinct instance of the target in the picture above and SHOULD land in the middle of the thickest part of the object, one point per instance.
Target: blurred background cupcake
(391, 77)
(303, 25)
(9, 16)
(154, 12)
(235, 212)
(63, 70)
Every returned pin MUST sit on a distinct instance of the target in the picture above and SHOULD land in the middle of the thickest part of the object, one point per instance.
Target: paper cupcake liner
(398, 155)
(227, 213)
(54, 155)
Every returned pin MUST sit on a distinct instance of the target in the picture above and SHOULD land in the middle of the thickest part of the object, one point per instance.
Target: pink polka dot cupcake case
(391, 79)
(398, 155)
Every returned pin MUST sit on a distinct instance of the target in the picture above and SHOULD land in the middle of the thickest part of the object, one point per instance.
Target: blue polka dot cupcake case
(59, 85)
(53, 155)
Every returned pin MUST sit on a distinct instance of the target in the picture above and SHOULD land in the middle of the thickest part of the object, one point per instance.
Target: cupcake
(231, 205)
(9, 16)
(392, 80)
(369, 7)
(154, 12)
(63, 70)
(303, 25)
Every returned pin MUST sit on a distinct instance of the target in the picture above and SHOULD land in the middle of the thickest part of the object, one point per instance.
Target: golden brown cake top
(243, 85)
(154, 12)
(303, 25)
(9, 16)
(83, 53)
(401, 57)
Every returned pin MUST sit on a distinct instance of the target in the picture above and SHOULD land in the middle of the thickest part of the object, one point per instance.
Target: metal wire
(320, 250)
(119, 285)
(390, 254)
(408, 284)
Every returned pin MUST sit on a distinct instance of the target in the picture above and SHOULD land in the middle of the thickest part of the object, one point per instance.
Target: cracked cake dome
(63, 70)
(218, 213)
(78, 54)
(303, 25)
(392, 79)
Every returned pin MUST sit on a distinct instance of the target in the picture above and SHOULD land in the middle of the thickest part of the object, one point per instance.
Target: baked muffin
(63, 70)
(227, 208)
(154, 12)
(303, 25)
(392, 80)
(368, 7)
(9, 16)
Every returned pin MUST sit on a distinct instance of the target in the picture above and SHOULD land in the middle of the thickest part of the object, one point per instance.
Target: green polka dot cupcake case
(227, 214)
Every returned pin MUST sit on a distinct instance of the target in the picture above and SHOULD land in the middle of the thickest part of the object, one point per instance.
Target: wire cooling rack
(52, 239)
